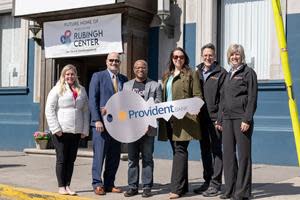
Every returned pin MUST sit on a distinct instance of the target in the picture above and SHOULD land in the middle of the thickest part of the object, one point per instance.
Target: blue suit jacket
(101, 89)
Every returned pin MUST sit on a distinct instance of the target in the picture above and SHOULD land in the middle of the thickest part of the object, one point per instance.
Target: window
(13, 51)
(250, 23)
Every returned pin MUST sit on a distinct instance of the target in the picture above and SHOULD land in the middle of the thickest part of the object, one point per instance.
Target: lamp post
(163, 12)
(35, 28)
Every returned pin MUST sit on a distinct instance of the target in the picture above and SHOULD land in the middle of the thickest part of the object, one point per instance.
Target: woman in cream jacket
(68, 119)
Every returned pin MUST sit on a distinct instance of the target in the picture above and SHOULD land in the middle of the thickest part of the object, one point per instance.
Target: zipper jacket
(211, 88)
(66, 114)
(239, 95)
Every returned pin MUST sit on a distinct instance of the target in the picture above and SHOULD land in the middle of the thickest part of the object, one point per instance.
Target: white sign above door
(84, 36)
(28, 7)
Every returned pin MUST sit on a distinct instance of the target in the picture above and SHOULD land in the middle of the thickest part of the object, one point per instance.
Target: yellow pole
(287, 73)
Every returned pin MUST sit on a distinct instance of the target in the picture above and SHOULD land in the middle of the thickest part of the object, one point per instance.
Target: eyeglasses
(180, 57)
(114, 60)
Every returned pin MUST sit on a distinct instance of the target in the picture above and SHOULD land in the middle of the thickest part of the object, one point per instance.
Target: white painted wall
(5, 6)
(206, 28)
(293, 6)
(191, 11)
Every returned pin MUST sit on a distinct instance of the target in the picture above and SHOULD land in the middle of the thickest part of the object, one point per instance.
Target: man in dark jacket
(212, 77)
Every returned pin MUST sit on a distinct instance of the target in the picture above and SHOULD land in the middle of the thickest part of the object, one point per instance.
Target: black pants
(66, 148)
(237, 173)
(211, 153)
(179, 177)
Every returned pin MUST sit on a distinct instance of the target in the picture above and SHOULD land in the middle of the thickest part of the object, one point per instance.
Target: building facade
(251, 24)
(19, 109)
(27, 76)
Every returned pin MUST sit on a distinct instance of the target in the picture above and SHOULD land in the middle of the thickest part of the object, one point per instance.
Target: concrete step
(82, 152)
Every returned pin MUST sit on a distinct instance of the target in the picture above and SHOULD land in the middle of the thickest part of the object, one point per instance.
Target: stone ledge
(14, 90)
(81, 152)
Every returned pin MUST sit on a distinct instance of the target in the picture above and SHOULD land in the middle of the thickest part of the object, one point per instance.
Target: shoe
(131, 192)
(70, 192)
(99, 190)
(202, 188)
(62, 190)
(147, 193)
(113, 189)
(211, 192)
(225, 196)
(173, 195)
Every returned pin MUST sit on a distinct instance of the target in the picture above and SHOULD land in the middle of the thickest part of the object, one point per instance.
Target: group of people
(223, 127)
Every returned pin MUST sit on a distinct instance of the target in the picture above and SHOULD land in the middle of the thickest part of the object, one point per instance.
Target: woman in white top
(68, 119)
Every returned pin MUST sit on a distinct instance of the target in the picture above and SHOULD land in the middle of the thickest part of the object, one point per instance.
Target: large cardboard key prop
(129, 116)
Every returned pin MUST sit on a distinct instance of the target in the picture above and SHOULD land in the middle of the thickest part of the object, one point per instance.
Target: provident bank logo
(129, 116)
(66, 37)
(152, 111)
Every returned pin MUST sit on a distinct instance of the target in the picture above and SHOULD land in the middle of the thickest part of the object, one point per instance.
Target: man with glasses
(146, 88)
(102, 86)
(212, 77)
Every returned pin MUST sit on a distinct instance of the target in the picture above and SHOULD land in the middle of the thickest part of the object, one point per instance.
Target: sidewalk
(18, 169)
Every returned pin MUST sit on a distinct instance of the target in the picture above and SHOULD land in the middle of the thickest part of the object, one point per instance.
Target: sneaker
(202, 188)
(173, 195)
(70, 192)
(131, 192)
(62, 190)
(211, 192)
(147, 193)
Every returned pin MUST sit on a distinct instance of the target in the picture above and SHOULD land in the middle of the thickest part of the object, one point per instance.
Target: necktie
(115, 83)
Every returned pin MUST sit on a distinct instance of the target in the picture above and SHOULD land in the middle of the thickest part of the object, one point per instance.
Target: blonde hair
(62, 84)
(236, 48)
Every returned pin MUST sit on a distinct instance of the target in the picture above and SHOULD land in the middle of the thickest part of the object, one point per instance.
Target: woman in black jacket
(239, 100)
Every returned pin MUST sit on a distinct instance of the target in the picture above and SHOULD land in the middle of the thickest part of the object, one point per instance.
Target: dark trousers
(66, 148)
(211, 153)
(105, 148)
(237, 173)
(179, 177)
(145, 146)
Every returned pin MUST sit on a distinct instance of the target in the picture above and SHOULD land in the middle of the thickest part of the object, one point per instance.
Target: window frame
(274, 81)
(23, 70)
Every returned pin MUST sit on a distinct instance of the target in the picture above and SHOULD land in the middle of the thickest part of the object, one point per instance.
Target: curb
(18, 193)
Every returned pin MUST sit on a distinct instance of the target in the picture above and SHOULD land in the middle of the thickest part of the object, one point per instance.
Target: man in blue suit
(102, 86)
